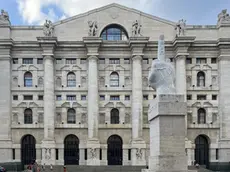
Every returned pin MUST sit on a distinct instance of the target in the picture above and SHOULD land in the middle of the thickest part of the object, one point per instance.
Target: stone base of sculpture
(167, 134)
(93, 151)
(48, 152)
(138, 153)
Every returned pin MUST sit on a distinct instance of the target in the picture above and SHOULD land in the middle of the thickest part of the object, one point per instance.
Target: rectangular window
(100, 155)
(56, 154)
(85, 154)
(28, 97)
(171, 59)
(213, 60)
(15, 97)
(145, 97)
(27, 61)
(58, 97)
(154, 96)
(70, 97)
(145, 61)
(126, 61)
(214, 97)
(40, 97)
(102, 97)
(39, 61)
(217, 153)
(127, 97)
(101, 61)
(70, 61)
(188, 60)
(83, 61)
(13, 153)
(15, 60)
(83, 97)
(201, 97)
(189, 97)
(129, 154)
(58, 61)
(201, 60)
(114, 97)
(114, 61)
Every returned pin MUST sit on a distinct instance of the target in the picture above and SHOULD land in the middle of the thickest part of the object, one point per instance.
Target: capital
(136, 58)
(92, 58)
(48, 57)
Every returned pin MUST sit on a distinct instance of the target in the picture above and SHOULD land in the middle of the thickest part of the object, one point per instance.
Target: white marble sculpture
(92, 28)
(162, 74)
(136, 28)
(48, 28)
(47, 153)
(223, 17)
(93, 153)
(139, 153)
(180, 27)
(4, 17)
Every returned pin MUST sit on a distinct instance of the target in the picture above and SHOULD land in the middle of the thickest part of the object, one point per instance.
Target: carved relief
(139, 153)
(93, 153)
(92, 28)
(127, 81)
(83, 81)
(4, 17)
(58, 82)
(15, 118)
(180, 27)
(40, 82)
(145, 82)
(127, 118)
(58, 118)
(40, 118)
(48, 28)
(101, 118)
(102, 81)
(136, 28)
(83, 118)
(15, 81)
(47, 153)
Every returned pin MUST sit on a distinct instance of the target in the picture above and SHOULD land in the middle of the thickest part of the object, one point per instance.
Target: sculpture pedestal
(138, 152)
(48, 152)
(93, 151)
(167, 134)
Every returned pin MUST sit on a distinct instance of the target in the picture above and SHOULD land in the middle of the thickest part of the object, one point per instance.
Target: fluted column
(137, 97)
(93, 109)
(181, 75)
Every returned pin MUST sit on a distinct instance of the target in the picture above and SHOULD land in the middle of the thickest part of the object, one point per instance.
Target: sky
(34, 12)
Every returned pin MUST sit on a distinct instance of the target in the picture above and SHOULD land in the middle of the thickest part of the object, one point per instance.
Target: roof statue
(92, 28)
(180, 27)
(48, 28)
(223, 17)
(4, 17)
(162, 74)
(136, 28)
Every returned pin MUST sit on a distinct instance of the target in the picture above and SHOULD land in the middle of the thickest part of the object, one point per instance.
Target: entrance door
(71, 150)
(114, 152)
(28, 151)
(202, 150)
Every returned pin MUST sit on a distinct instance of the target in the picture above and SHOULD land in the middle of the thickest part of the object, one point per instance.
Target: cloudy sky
(34, 12)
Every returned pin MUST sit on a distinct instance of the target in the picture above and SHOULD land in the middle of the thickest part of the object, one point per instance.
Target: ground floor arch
(114, 151)
(71, 150)
(28, 149)
(202, 150)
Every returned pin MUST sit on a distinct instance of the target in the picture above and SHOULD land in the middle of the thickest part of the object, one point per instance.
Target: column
(93, 145)
(181, 75)
(48, 143)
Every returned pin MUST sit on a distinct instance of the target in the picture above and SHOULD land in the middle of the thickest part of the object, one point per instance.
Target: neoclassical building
(76, 91)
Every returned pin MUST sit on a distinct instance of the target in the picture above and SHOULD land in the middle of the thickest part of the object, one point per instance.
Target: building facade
(76, 91)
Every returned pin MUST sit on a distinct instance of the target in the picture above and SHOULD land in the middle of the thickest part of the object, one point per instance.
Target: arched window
(71, 116)
(28, 116)
(114, 79)
(71, 80)
(114, 116)
(200, 79)
(28, 82)
(114, 33)
(40, 82)
(201, 116)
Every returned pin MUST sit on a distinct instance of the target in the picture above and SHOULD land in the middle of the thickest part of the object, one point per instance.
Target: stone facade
(201, 56)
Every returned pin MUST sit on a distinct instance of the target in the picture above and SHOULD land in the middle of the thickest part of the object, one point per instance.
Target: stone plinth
(93, 151)
(138, 152)
(167, 134)
(48, 152)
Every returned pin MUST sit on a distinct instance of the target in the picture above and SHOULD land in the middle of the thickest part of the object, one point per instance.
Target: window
(27, 61)
(114, 116)
(28, 119)
(213, 60)
(56, 154)
(58, 97)
(39, 61)
(102, 97)
(70, 97)
(127, 97)
(15, 97)
(83, 97)
(28, 97)
(40, 97)
(188, 60)
(71, 116)
(201, 97)
(28, 79)
(114, 33)
(171, 59)
(70, 61)
(58, 61)
(200, 79)
(145, 61)
(114, 79)
(201, 60)
(71, 80)
(114, 61)
(201, 116)
(13, 154)
(100, 154)
(114, 97)
(83, 61)
(85, 152)
(126, 61)
(217, 154)
(15, 60)
(214, 97)
(145, 97)
(101, 61)
(189, 97)
(129, 154)
(154, 96)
